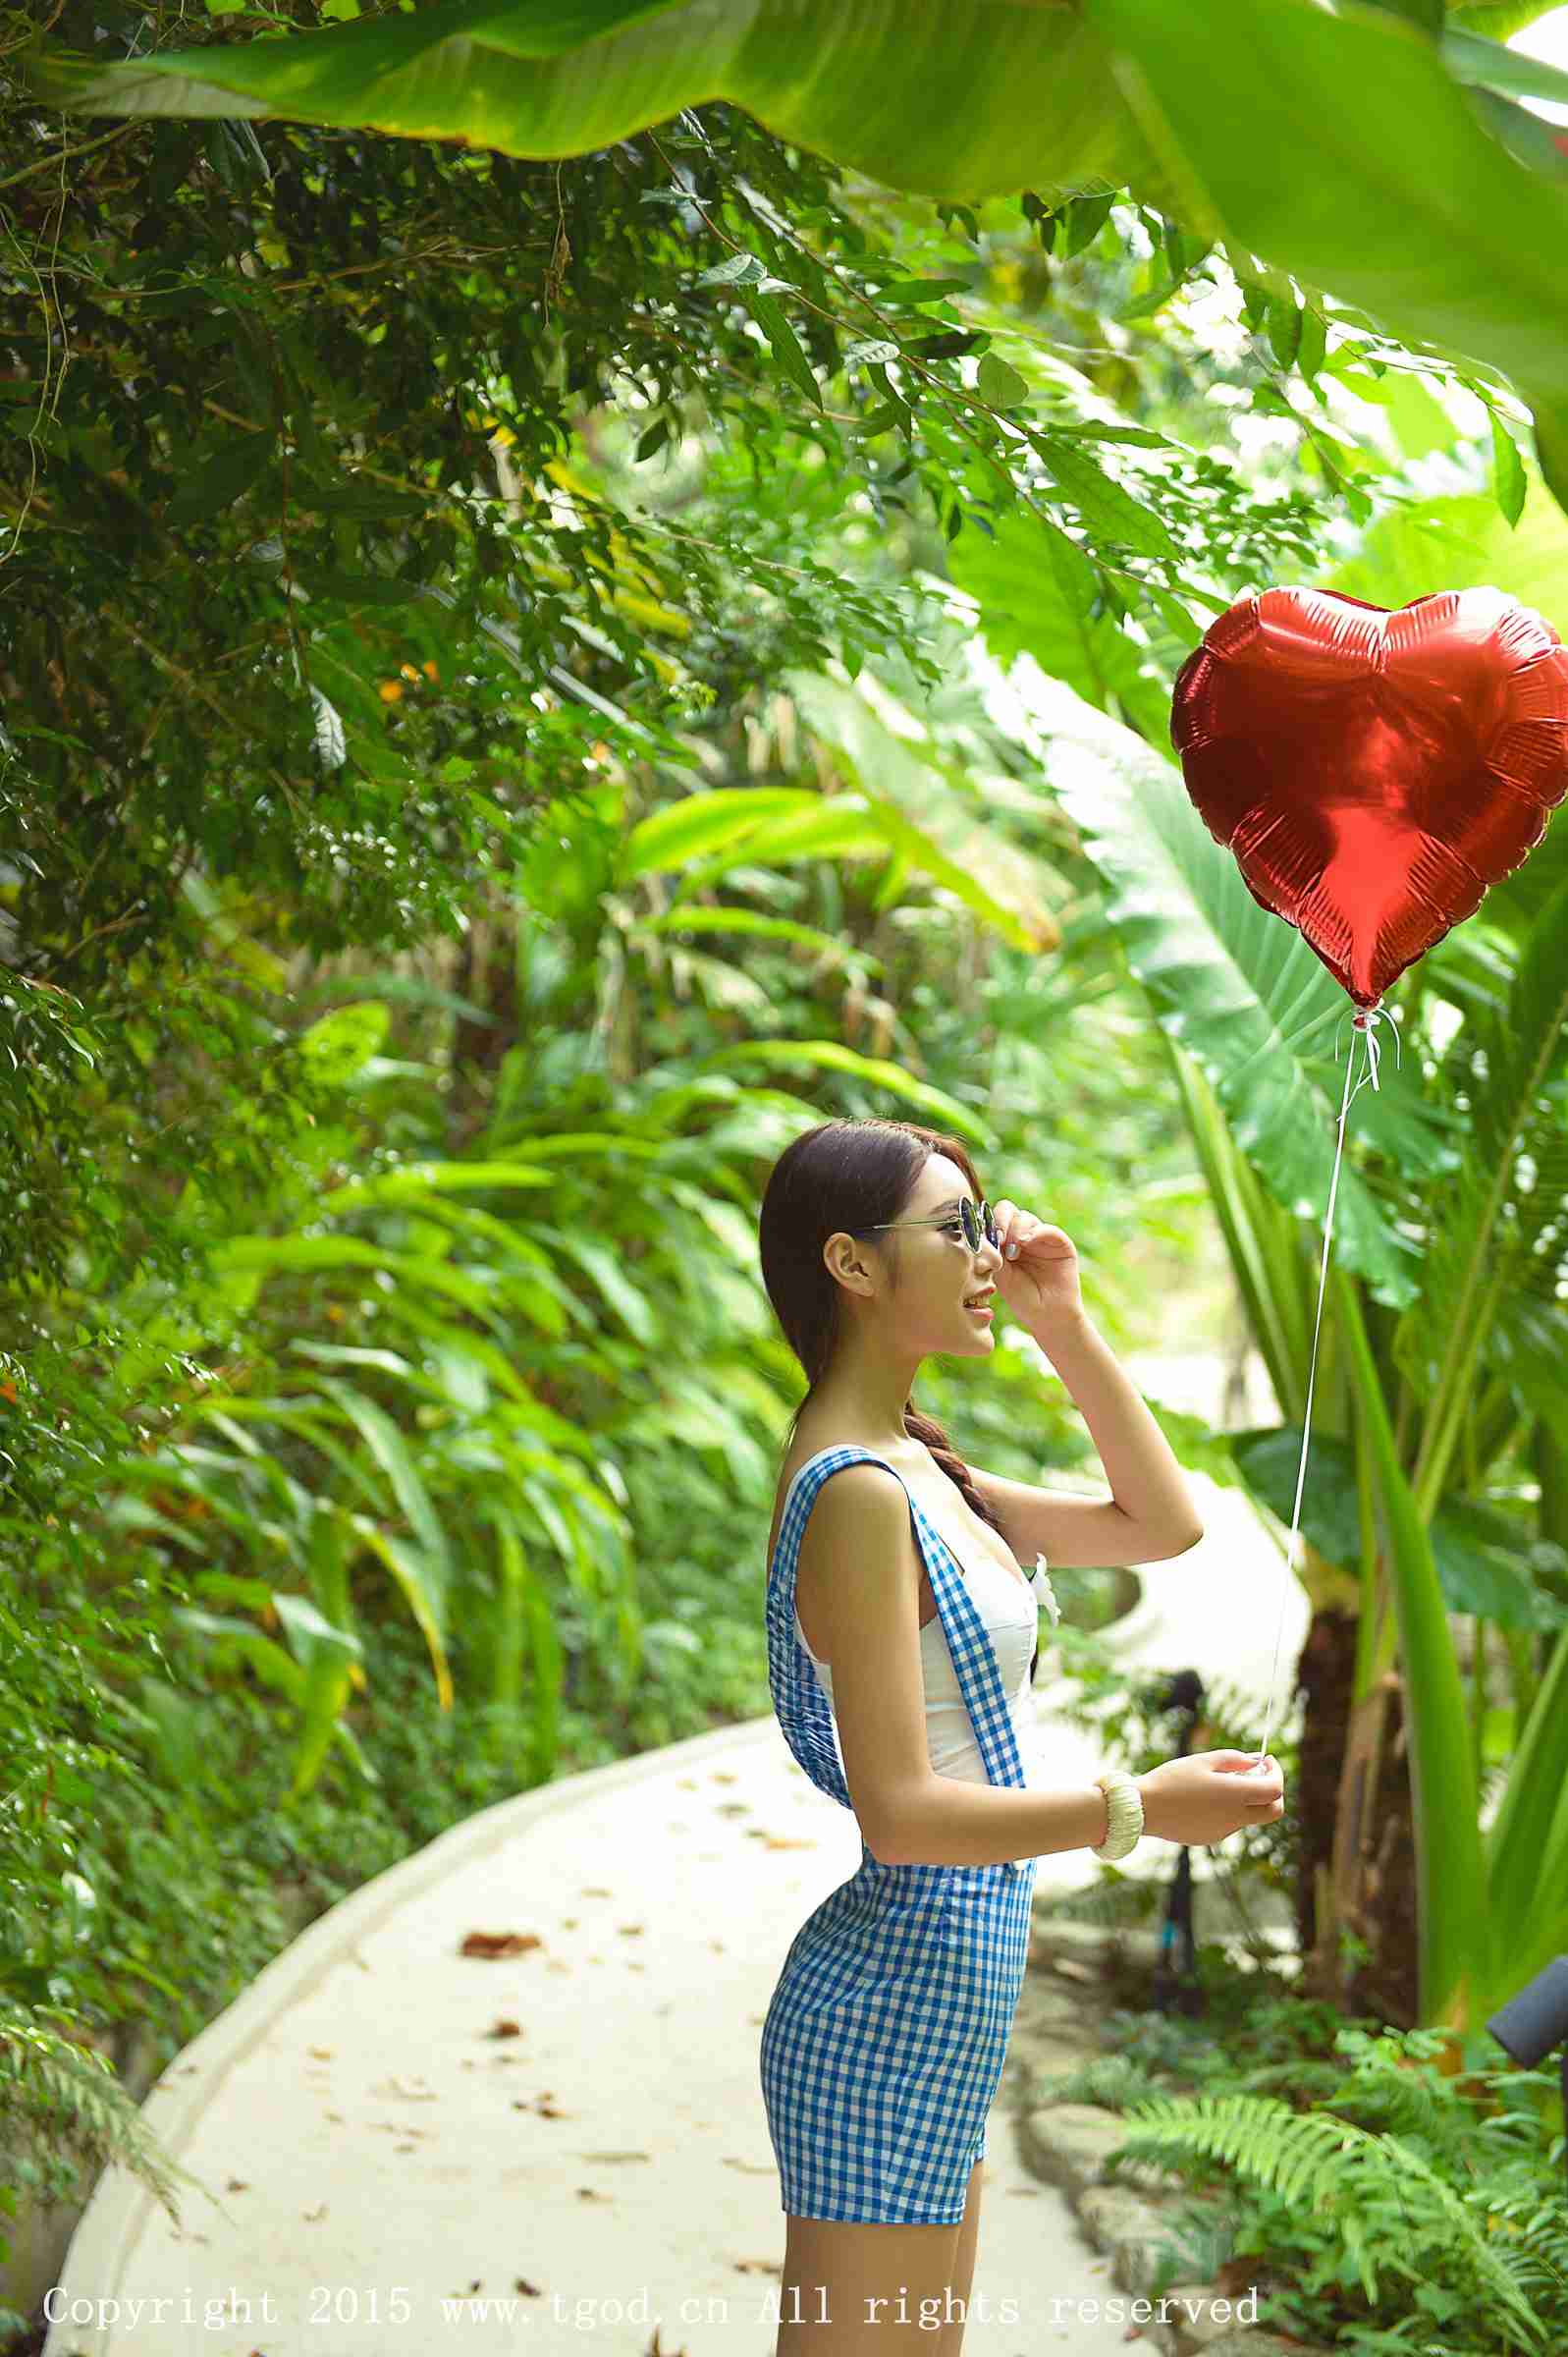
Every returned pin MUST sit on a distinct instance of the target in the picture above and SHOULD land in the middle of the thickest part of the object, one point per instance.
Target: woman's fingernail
(1012, 1251)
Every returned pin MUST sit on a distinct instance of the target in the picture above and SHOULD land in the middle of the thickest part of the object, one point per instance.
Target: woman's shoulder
(816, 1443)
(914, 1458)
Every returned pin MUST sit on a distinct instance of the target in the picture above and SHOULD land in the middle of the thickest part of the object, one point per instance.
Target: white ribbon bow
(1047, 1591)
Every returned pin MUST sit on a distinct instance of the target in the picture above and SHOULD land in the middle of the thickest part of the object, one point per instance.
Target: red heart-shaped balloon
(1373, 770)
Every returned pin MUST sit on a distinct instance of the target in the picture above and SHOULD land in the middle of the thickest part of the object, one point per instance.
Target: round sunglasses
(976, 1221)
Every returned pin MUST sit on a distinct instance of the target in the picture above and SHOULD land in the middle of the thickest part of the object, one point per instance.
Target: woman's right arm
(859, 1554)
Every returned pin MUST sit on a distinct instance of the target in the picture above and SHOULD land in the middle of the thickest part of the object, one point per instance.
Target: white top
(1010, 1612)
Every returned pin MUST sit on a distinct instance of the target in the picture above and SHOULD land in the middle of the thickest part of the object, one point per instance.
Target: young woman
(901, 1642)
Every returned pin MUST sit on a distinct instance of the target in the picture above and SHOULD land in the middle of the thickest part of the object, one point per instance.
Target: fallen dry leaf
(499, 1944)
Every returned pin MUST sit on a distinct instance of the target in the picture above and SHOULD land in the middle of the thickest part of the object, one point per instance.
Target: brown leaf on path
(499, 1944)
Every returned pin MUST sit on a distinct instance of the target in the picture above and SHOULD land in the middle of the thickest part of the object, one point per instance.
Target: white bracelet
(1124, 1815)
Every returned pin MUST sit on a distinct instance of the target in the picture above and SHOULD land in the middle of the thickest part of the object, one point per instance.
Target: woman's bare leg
(862, 2291)
(950, 2340)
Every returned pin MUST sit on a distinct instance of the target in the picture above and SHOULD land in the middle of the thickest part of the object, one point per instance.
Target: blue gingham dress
(883, 2041)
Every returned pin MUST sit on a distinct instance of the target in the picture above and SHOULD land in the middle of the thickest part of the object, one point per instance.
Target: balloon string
(1366, 1024)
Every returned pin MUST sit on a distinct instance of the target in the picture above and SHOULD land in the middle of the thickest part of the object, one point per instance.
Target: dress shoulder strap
(803, 1710)
(804, 1714)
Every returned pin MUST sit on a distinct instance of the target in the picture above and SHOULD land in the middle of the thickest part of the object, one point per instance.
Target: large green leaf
(907, 772)
(1510, 1189)
(1337, 145)
(1481, 1555)
(1026, 98)
(1531, 1827)
(1462, 1947)
(742, 826)
(1499, 19)
(1034, 588)
(1462, 543)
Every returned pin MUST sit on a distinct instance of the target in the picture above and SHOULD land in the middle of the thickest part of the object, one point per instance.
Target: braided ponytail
(921, 1427)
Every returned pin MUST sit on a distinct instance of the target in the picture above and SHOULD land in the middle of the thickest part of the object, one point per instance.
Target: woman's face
(938, 1273)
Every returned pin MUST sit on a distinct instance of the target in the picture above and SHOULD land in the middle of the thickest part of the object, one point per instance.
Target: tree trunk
(486, 974)
(1358, 1860)
(1380, 1892)
(1324, 1674)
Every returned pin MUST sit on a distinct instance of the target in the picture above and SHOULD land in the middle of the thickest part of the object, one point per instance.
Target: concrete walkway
(560, 2145)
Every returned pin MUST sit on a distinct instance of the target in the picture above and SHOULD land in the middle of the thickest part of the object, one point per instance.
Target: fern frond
(1408, 2102)
(1115, 2081)
(71, 2094)
(1330, 2165)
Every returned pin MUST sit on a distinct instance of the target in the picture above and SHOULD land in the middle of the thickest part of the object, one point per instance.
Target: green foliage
(1378, 2202)
(1353, 147)
(1398, 2208)
(1113, 2081)
(60, 2097)
(497, 738)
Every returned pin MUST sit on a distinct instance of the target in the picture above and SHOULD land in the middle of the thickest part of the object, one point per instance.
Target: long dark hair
(849, 1175)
